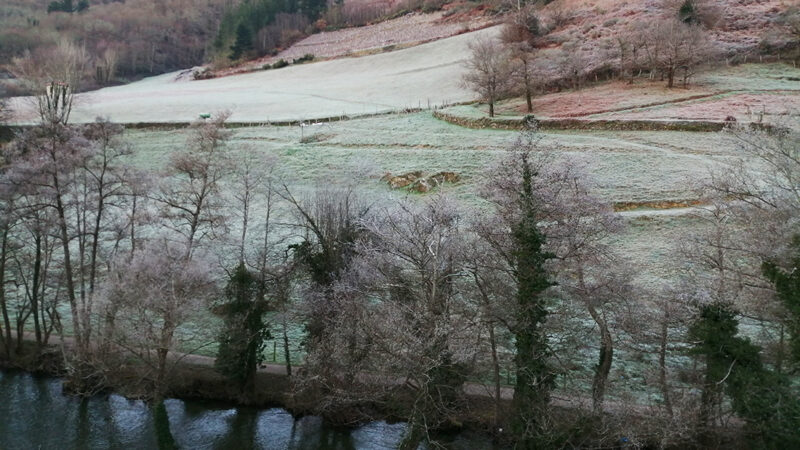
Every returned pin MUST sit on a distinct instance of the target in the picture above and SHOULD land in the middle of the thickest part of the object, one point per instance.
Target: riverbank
(195, 379)
(37, 415)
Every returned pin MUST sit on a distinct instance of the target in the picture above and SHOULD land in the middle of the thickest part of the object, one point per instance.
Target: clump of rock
(416, 181)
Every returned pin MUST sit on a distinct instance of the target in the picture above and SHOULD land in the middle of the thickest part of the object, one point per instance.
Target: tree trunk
(662, 362)
(133, 225)
(414, 435)
(529, 99)
(780, 356)
(161, 369)
(161, 374)
(3, 305)
(708, 400)
(491, 108)
(37, 268)
(245, 214)
(62, 222)
(670, 77)
(65, 241)
(286, 354)
(528, 93)
(497, 380)
(606, 357)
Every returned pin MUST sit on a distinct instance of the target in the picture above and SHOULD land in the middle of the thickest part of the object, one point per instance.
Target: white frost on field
(383, 82)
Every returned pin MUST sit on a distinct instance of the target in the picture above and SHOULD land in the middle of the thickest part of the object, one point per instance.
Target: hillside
(402, 79)
(382, 70)
(393, 34)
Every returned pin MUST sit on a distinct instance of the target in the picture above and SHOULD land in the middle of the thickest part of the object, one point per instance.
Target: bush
(280, 64)
(305, 58)
(430, 6)
(203, 74)
(696, 12)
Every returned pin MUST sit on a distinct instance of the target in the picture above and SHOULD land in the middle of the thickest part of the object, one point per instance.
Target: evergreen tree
(763, 398)
(62, 6)
(535, 377)
(787, 286)
(243, 43)
(687, 12)
(241, 341)
(313, 8)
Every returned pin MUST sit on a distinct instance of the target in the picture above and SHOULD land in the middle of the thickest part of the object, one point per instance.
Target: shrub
(305, 58)
(280, 64)
(430, 6)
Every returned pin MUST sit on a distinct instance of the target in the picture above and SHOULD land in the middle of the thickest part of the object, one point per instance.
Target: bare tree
(53, 76)
(587, 268)
(767, 176)
(157, 292)
(70, 180)
(525, 73)
(518, 34)
(489, 71)
(106, 66)
(191, 199)
(791, 23)
(674, 47)
(493, 296)
(403, 320)
(572, 64)
(252, 180)
(54, 155)
(7, 223)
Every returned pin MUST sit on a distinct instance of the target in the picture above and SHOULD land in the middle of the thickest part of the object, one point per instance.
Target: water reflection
(35, 415)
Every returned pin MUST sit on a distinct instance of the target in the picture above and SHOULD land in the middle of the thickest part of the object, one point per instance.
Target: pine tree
(313, 8)
(763, 398)
(243, 43)
(787, 286)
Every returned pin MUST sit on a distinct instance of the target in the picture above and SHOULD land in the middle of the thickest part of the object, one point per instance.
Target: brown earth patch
(656, 204)
(518, 123)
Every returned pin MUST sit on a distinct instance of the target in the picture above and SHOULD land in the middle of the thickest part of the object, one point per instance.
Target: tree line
(671, 45)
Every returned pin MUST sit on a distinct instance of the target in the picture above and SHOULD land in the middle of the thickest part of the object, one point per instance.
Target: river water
(35, 415)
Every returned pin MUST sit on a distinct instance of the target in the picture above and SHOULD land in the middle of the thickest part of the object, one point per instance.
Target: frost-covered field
(413, 77)
(625, 166)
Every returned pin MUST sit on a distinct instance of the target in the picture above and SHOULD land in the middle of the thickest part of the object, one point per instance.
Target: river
(35, 415)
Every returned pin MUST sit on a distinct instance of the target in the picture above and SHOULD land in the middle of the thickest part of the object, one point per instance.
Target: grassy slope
(384, 82)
